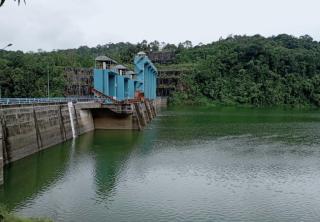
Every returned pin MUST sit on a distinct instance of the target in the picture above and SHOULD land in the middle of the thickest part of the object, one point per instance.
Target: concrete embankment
(29, 129)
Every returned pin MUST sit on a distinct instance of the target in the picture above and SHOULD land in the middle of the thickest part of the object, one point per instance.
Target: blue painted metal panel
(105, 81)
(131, 90)
(126, 88)
(101, 80)
(120, 88)
(147, 74)
(112, 85)
(98, 83)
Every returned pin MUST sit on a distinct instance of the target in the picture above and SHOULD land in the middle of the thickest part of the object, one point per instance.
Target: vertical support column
(150, 84)
(141, 115)
(146, 102)
(137, 116)
(103, 82)
(36, 126)
(154, 85)
(152, 108)
(145, 112)
(61, 123)
(142, 111)
(145, 82)
(146, 87)
(155, 106)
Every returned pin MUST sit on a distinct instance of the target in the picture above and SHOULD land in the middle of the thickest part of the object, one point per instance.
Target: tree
(154, 46)
(187, 44)
(170, 47)
(3, 1)
(280, 70)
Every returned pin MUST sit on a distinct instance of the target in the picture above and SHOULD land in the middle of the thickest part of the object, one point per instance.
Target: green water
(190, 164)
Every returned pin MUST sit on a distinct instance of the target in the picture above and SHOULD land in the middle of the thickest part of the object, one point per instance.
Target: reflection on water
(190, 164)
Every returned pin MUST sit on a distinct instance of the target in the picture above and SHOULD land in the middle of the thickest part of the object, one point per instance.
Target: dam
(123, 100)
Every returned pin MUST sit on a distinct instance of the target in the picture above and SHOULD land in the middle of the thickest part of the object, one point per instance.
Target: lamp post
(48, 82)
(9, 45)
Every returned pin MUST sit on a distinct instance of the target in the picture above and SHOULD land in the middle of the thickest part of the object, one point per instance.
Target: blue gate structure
(117, 83)
(147, 75)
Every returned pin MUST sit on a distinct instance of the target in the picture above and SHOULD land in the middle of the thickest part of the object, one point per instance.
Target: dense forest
(253, 70)
(280, 70)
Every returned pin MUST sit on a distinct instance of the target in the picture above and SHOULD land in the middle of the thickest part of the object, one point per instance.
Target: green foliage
(280, 70)
(5, 216)
(25, 74)
(3, 1)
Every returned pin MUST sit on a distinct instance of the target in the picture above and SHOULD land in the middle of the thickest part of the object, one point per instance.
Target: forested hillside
(280, 70)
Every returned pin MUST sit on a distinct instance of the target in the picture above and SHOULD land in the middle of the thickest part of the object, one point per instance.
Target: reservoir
(189, 164)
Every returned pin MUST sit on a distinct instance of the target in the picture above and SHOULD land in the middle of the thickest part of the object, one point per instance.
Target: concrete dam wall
(28, 129)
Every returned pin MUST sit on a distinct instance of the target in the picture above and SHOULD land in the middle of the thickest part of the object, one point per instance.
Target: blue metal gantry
(146, 74)
(118, 83)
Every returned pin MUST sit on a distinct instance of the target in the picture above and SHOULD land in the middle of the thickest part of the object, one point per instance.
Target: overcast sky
(60, 24)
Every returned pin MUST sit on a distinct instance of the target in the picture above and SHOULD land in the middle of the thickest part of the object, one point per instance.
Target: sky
(62, 24)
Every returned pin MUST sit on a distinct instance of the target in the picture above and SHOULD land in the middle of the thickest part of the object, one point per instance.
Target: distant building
(79, 81)
(164, 57)
(121, 69)
(104, 62)
(168, 80)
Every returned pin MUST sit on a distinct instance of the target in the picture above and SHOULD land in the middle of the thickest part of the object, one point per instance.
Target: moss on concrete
(6, 216)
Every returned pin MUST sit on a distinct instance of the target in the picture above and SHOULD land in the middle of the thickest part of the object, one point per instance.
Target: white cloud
(68, 23)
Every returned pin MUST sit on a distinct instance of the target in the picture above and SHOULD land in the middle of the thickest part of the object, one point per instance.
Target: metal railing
(101, 99)
(21, 101)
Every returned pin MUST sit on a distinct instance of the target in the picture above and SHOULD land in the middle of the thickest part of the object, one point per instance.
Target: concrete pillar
(137, 116)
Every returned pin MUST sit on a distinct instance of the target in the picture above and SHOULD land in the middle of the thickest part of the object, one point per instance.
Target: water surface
(190, 164)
